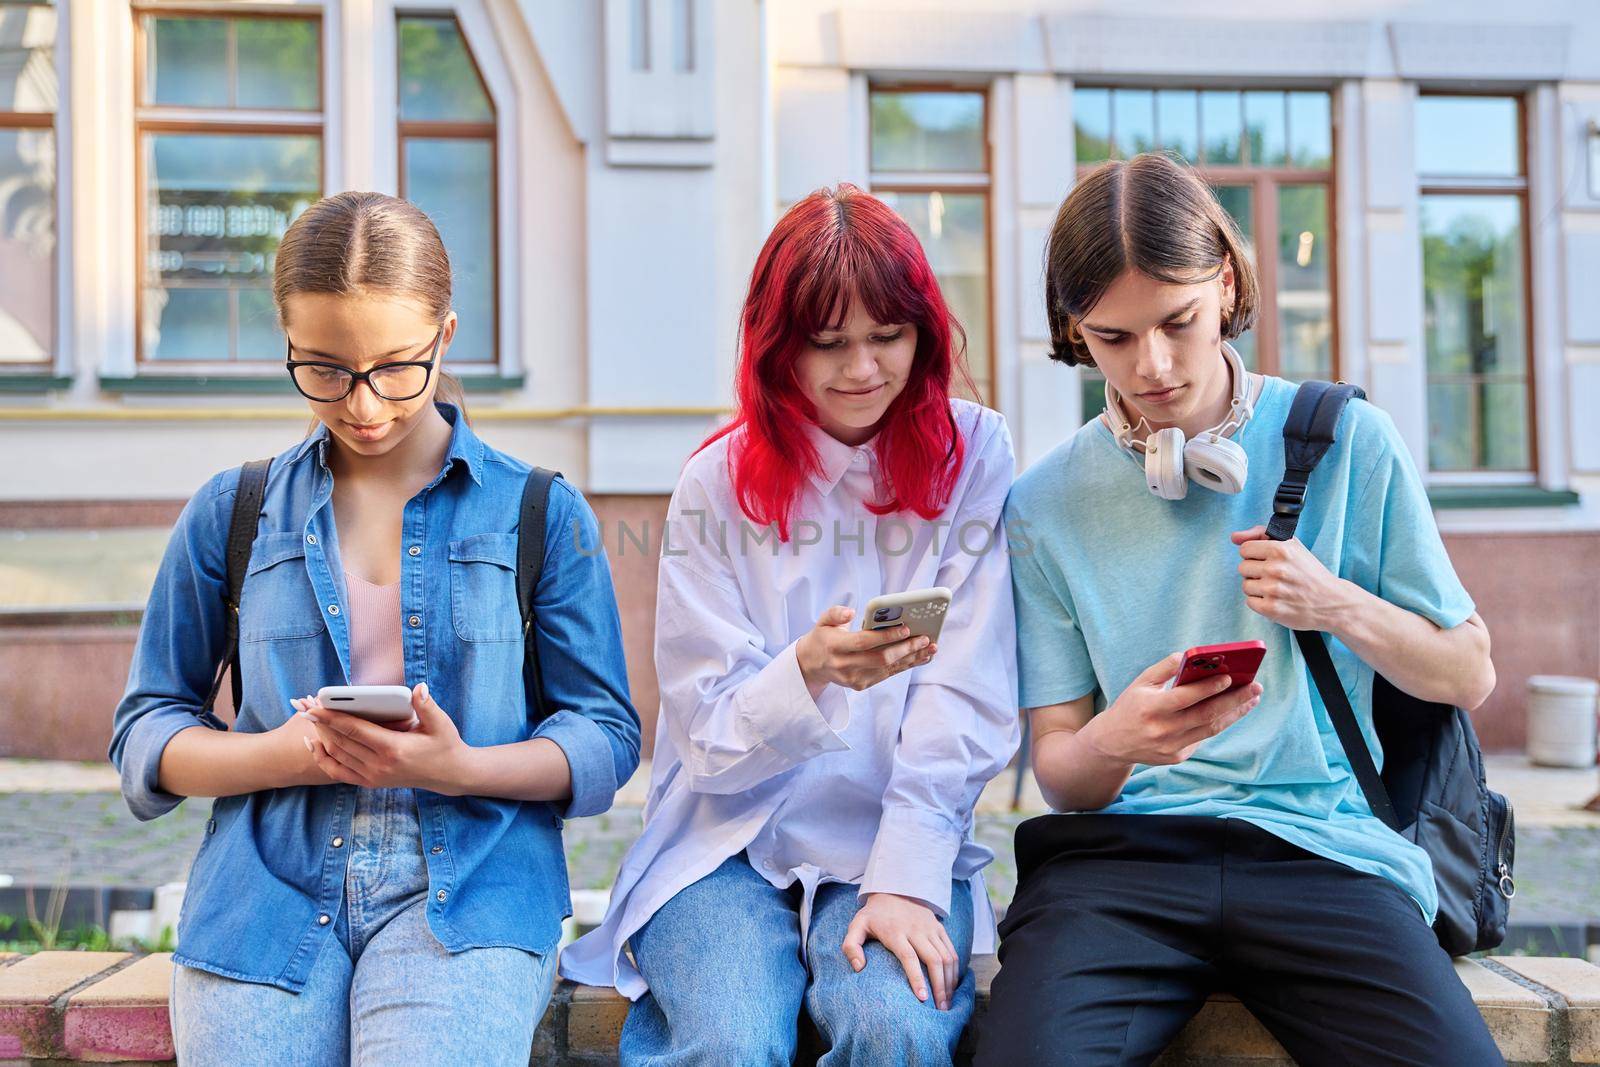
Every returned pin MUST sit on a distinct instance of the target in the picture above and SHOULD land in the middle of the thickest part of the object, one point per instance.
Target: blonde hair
(351, 243)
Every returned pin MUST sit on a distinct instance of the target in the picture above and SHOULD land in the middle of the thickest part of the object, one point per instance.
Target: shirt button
(338, 842)
(440, 895)
(437, 849)
(311, 539)
(324, 920)
(211, 826)
(415, 620)
(414, 550)
(333, 609)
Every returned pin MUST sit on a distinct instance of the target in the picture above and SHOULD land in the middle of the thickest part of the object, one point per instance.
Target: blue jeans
(727, 981)
(384, 992)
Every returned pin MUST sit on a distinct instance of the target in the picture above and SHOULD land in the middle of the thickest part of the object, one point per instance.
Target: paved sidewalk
(65, 824)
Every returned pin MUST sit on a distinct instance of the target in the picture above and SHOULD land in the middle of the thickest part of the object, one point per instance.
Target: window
(229, 152)
(1473, 217)
(930, 162)
(447, 168)
(28, 87)
(1269, 156)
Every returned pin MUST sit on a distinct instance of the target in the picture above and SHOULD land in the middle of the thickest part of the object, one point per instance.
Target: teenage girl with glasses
(363, 894)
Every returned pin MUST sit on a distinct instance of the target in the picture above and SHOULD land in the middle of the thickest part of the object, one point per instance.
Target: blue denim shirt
(269, 876)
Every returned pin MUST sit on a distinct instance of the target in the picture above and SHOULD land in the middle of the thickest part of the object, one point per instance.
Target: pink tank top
(376, 654)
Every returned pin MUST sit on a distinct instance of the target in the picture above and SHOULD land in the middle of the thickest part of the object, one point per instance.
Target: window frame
(1475, 185)
(954, 182)
(1264, 182)
(182, 119)
(46, 369)
(466, 131)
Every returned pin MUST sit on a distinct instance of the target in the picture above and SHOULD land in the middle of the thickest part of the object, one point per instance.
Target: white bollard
(168, 905)
(1562, 722)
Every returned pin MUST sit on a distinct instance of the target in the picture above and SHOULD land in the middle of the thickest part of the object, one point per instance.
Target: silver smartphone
(387, 705)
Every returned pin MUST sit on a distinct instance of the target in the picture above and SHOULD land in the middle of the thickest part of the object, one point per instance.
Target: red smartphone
(1239, 661)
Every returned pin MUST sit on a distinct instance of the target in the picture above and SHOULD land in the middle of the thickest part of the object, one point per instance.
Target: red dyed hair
(835, 246)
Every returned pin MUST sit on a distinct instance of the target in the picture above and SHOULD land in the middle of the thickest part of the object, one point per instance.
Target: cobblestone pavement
(89, 839)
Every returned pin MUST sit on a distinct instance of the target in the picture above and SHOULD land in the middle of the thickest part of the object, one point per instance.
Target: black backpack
(1432, 789)
(242, 535)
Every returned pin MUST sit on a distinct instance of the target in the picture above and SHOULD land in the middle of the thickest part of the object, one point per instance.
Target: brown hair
(351, 243)
(1150, 213)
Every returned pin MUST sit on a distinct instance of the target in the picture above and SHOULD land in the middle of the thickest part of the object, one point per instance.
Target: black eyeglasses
(325, 381)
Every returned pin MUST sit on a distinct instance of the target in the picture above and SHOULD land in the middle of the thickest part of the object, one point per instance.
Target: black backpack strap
(241, 536)
(1308, 433)
(530, 564)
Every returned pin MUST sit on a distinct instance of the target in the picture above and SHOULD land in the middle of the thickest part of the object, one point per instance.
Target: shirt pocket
(278, 602)
(483, 588)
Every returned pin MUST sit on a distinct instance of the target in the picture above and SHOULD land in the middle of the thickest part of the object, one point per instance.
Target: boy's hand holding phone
(1159, 726)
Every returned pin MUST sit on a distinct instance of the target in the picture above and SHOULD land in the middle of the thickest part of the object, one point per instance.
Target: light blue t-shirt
(1109, 579)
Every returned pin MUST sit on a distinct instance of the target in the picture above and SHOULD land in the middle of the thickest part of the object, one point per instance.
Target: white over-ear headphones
(1211, 460)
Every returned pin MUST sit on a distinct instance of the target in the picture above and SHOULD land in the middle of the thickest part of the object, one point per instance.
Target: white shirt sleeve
(738, 711)
(960, 725)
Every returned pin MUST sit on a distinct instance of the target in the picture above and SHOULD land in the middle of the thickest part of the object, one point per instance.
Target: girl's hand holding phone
(1153, 725)
(352, 750)
(856, 659)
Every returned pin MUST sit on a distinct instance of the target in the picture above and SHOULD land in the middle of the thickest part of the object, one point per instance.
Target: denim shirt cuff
(588, 752)
(913, 856)
(141, 761)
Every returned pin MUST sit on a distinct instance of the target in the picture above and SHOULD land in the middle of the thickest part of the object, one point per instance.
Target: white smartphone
(922, 611)
(387, 705)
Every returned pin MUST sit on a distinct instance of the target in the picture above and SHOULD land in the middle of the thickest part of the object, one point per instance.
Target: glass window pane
(927, 131)
(438, 81)
(1092, 392)
(279, 63)
(183, 323)
(1222, 125)
(1450, 427)
(1178, 122)
(1506, 436)
(27, 57)
(1474, 317)
(1266, 128)
(1305, 291)
(259, 336)
(188, 62)
(453, 181)
(1468, 135)
(1091, 115)
(215, 208)
(1239, 202)
(953, 228)
(27, 245)
(1310, 129)
(1133, 121)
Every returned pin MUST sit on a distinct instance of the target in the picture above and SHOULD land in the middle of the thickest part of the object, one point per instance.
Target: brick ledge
(111, 1007)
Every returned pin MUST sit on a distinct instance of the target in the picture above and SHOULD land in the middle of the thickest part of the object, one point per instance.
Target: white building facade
(1420, 182)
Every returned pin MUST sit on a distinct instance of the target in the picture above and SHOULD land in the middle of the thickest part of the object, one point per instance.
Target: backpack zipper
(1507, 885)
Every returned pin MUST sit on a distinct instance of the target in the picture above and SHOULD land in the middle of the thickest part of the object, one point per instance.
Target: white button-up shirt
(873, 788)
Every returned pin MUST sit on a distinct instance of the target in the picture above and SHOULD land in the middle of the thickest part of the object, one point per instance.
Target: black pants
(1123, 924)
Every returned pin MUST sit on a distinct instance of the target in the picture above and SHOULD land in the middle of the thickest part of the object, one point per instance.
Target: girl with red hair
(808, 834)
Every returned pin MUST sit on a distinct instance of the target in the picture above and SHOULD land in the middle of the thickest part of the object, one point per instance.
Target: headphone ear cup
(1217, 463)
(1163, 464)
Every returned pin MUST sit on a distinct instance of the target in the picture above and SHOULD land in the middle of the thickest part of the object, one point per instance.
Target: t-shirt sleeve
(1396, 533)
(1053, 664)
